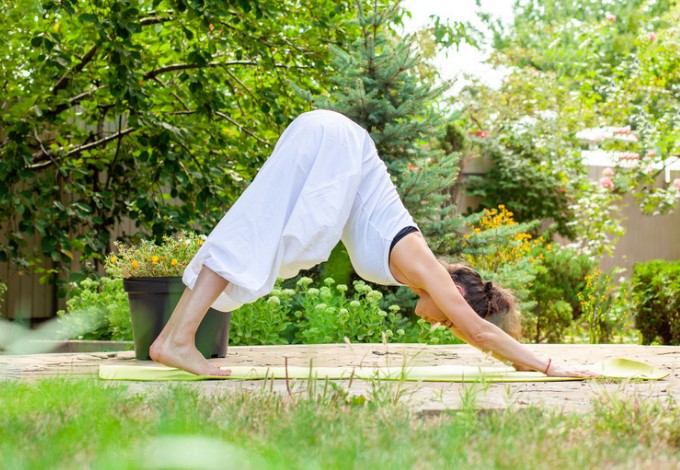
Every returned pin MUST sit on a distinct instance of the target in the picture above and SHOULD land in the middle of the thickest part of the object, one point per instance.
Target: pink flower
(610, 17)
(622, 130)
(607, 172)
(651, 36)
(676, 183)
(630, 156)
(606, 182)
(651, 153)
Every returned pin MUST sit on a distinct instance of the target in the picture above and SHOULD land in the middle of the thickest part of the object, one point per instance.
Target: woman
(323, 183)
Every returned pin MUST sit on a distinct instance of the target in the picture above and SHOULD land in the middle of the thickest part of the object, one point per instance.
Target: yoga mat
(611, 368)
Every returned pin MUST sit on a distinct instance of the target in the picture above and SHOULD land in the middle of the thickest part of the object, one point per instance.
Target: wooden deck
(426, 397)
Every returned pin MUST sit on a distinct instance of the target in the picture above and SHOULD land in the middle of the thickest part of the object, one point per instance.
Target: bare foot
(183, 356)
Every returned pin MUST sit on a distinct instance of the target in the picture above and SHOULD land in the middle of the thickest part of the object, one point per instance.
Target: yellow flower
(135, 265)
(173, 262)
(114, 259)
(154, 259)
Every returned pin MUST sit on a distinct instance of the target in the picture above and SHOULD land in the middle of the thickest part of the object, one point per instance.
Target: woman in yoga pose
(325, 182)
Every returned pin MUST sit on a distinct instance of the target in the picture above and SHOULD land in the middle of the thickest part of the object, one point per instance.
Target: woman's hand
(558, 371)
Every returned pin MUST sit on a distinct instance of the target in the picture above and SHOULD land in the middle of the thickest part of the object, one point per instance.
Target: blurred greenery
(656, 292)
(611, 67)
(66, 423)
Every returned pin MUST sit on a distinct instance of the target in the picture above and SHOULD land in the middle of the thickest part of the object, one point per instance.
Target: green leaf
(88, 17)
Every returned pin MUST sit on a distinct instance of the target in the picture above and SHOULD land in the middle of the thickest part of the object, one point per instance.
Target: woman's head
(489, 300)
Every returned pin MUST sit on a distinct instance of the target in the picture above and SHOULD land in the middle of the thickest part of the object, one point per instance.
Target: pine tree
(379, 86)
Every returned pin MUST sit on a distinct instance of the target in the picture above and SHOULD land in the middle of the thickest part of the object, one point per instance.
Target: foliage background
(157, 111)
(160, 112)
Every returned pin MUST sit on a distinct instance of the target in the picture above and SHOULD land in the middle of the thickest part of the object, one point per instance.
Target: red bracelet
(548, 366)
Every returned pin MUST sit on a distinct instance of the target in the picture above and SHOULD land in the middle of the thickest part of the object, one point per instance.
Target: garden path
(427, 397)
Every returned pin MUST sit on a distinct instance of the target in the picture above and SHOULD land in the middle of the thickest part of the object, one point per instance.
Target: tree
(159, 111)
(384, 85)
(573, 66)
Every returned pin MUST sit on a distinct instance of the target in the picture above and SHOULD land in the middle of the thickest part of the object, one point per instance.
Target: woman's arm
(427, 310)
(413, 264)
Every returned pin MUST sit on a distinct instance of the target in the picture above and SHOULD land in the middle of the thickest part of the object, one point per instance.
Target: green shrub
(597, 300)
(314, 315)
(264, 321)
(656, 294)
(330, 313)
(525, 176)
(502, 250)
(560, 277)
(97, 310)
(424, 332)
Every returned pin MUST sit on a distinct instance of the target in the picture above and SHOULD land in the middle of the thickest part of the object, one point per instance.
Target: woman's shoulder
(412, 262)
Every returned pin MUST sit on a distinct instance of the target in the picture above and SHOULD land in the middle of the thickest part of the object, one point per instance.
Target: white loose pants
(324, 182)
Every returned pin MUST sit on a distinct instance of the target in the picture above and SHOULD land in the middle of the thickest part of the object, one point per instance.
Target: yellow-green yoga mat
(611, 368)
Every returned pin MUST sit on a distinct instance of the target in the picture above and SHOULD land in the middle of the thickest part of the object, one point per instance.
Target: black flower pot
(152, 300)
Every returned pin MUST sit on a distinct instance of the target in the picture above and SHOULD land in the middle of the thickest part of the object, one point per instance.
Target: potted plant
(151, 276)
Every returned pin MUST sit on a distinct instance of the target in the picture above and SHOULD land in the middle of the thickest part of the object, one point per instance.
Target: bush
(314, 315)
(525, 176)
(502, 250)
(427, 333)
(330, 313)
(97, 310)
(559, 279)
(265, 321)
(656, 294)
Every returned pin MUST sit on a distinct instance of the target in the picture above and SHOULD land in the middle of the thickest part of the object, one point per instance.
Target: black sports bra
(402, 233)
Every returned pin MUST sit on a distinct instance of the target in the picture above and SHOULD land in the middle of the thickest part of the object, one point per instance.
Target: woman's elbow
(484, 339)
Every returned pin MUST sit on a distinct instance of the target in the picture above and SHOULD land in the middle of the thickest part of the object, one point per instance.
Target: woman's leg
(293, 213)
(290, 218)
(176, 346)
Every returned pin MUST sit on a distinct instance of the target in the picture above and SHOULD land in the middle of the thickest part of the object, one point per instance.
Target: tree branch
(82, 148)
(89, 55)
(175, 95)
(112, 168)
(43, 149)
(231, 120)
(175, 67)
(243, 85)
(241, 128)
(63, 81)
(154, 20)
(75, 100)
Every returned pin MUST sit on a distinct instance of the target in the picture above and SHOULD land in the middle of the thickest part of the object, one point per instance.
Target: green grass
(89, 424)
